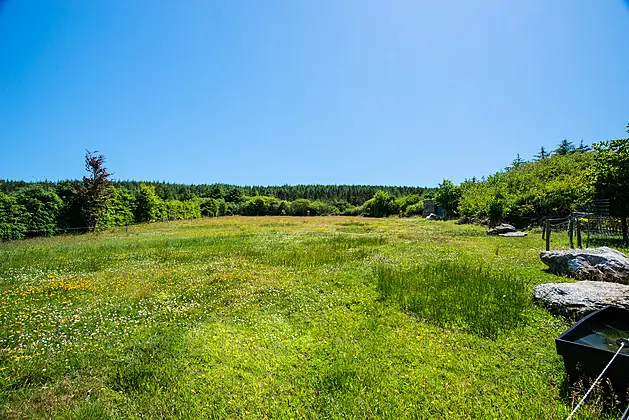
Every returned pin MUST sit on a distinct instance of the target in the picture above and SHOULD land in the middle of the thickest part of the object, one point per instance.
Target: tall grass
(461, 295)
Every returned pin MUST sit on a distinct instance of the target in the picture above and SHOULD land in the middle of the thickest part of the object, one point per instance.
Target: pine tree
(543, 154)
(583, 147)
(564, 148)
(518, 161)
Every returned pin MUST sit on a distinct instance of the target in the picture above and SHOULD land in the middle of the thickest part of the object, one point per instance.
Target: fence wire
(7, 233)
(603, 226)
(594, 227)
(559, 225)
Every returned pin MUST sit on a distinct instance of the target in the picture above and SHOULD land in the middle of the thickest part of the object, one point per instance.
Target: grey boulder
(598, 264)
(501, 228)
(575, 300)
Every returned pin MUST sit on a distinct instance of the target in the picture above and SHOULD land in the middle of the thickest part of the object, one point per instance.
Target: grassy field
(282, 317)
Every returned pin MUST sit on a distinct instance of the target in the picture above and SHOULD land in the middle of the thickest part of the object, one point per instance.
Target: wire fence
(10, 234)
(559, 225)
(594, 227)
(13, 234)
(603, 226)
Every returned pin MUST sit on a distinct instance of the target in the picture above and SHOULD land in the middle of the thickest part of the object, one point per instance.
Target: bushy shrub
(212, 207)
(497, 209)
(381, 205)
(264, 206)
(403, 203)
(609, 178)
(301, 207)
(177, 210)
(208, 207)
(120, 207)
(12, 218)
(255, 206)
(149, 207)
(340, 206)
(222, 207)
(448, 197)
(232, 208)
(416, 209)
(304, 207)
(41, 210)
(352, 211)
(320, 208)
(550, 187)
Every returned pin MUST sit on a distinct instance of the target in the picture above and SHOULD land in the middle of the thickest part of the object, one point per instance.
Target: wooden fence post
(578, 223)
(547, 235)
(571, 232)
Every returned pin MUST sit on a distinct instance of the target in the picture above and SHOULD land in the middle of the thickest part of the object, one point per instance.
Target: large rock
(578, 299)
(599, 264)
(513, 234)
(501, 228)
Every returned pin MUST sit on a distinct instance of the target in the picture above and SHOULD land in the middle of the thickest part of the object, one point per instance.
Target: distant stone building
(430, 206)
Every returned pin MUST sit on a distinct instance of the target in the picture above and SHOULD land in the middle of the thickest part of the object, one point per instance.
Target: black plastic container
(590, 344)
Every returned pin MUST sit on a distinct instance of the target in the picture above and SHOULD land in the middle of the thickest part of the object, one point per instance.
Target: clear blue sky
(401, 92)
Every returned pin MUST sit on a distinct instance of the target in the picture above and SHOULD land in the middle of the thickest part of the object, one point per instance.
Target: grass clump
(455, 294)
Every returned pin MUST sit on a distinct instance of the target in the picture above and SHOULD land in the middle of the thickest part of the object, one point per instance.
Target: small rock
(433, 216)
(597, 264)
(513, 234)
(501, 228)
(575, 300)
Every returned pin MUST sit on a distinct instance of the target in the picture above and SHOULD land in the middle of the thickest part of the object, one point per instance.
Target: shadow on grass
(602, 399)
(610, 242)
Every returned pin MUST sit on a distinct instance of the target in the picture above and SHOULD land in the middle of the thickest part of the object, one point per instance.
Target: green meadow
(281, 317)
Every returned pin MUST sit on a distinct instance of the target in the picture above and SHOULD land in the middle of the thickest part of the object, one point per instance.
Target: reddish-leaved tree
(93, 193)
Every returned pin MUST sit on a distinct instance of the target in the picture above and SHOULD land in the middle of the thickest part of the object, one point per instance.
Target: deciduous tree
(148, 206)
(449, 195)
(381, 205)
(610, 177)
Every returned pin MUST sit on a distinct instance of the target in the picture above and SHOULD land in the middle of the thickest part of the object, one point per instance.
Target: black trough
(590, 344)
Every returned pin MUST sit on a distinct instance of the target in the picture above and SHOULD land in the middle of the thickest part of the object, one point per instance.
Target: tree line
(46, 208)
(524, 193)
(353, 195)
(552, 185)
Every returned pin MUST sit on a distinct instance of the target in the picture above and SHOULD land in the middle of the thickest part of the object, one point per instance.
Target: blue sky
(401, 92)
